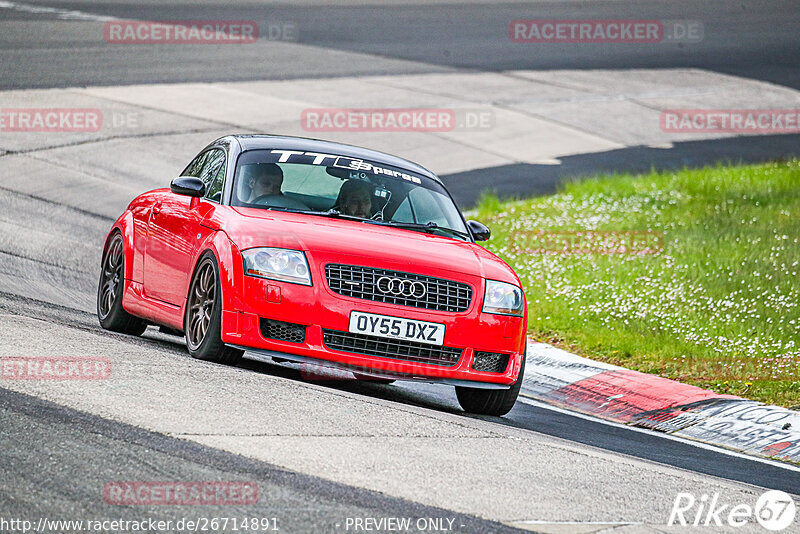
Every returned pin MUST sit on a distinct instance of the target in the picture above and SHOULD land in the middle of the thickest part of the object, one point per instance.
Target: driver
(263, 179)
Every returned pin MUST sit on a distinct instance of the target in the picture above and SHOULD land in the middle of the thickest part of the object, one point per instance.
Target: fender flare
(231, 269)
(124, 224)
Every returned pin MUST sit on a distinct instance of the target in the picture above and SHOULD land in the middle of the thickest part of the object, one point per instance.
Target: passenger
(355, 198)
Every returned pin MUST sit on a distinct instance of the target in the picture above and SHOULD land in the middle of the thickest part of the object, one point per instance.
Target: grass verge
(706, 293)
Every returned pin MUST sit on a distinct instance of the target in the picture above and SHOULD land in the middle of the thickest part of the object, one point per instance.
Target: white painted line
(699, 444)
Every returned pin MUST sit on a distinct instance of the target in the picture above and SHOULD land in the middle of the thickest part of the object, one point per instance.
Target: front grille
(362, 283)
(391, 348)
(295, 333)
(490, 362)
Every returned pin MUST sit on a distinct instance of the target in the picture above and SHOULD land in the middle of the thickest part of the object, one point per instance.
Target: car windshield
(345, 187)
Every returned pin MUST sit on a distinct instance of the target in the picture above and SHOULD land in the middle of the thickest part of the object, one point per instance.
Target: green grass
(718, 307)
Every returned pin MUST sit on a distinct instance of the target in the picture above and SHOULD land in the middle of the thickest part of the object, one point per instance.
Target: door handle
(156, 209)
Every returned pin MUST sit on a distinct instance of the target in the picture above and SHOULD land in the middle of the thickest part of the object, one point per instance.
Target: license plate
(396, 328)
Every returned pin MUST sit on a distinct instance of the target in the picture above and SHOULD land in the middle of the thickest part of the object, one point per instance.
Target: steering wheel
(279, 201)
(264, 198)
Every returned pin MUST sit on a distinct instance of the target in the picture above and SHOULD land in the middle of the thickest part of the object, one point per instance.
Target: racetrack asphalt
(58, 461)
(405, 441)
(751, 39)
(349, 448)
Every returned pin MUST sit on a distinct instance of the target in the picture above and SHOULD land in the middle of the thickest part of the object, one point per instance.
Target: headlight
(277, 264)
(503, 298)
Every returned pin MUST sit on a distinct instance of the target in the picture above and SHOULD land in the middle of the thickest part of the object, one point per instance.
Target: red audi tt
(319, 252)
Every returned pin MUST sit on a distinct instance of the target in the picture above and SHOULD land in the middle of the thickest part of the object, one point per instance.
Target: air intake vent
(490, 362)
(295, 333)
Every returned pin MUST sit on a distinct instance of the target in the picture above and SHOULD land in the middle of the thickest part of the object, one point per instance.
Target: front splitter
(266, 353)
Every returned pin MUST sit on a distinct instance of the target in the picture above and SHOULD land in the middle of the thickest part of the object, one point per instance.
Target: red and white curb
(559, 378)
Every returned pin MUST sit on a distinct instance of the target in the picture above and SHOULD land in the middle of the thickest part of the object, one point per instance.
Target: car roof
(264, 141)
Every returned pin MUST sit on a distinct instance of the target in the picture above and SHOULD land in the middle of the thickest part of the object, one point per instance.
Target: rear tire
(110, 313)
(203, 319)
(491, 401)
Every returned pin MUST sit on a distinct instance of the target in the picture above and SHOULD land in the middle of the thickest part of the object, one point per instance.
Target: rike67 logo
(774, 510)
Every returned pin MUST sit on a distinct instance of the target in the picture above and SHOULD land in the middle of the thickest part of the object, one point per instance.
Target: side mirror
(479, 230)
(188, 185)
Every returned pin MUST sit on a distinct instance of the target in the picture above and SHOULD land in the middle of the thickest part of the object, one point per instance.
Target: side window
(210, 168)
(214, 161)
(215, 177)
(196, 165)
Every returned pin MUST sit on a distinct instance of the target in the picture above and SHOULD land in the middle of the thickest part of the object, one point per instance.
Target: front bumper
(318, 308)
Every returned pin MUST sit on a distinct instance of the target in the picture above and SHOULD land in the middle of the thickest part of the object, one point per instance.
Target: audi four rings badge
(399, 287)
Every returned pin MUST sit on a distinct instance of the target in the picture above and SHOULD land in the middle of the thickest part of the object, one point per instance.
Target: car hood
(367, 244)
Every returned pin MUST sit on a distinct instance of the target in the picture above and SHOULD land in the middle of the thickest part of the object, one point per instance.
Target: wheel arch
(229, 266)
(224, 254)
(123, 225)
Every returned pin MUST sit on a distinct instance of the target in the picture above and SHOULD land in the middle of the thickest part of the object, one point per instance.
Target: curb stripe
(624, 395)
(648, 401)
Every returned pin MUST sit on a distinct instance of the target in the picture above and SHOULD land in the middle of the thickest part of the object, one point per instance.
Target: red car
(318, 252)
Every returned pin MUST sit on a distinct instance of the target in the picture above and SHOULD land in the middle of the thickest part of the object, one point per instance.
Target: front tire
(203, 319)
(110, 313)
(491, 401)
